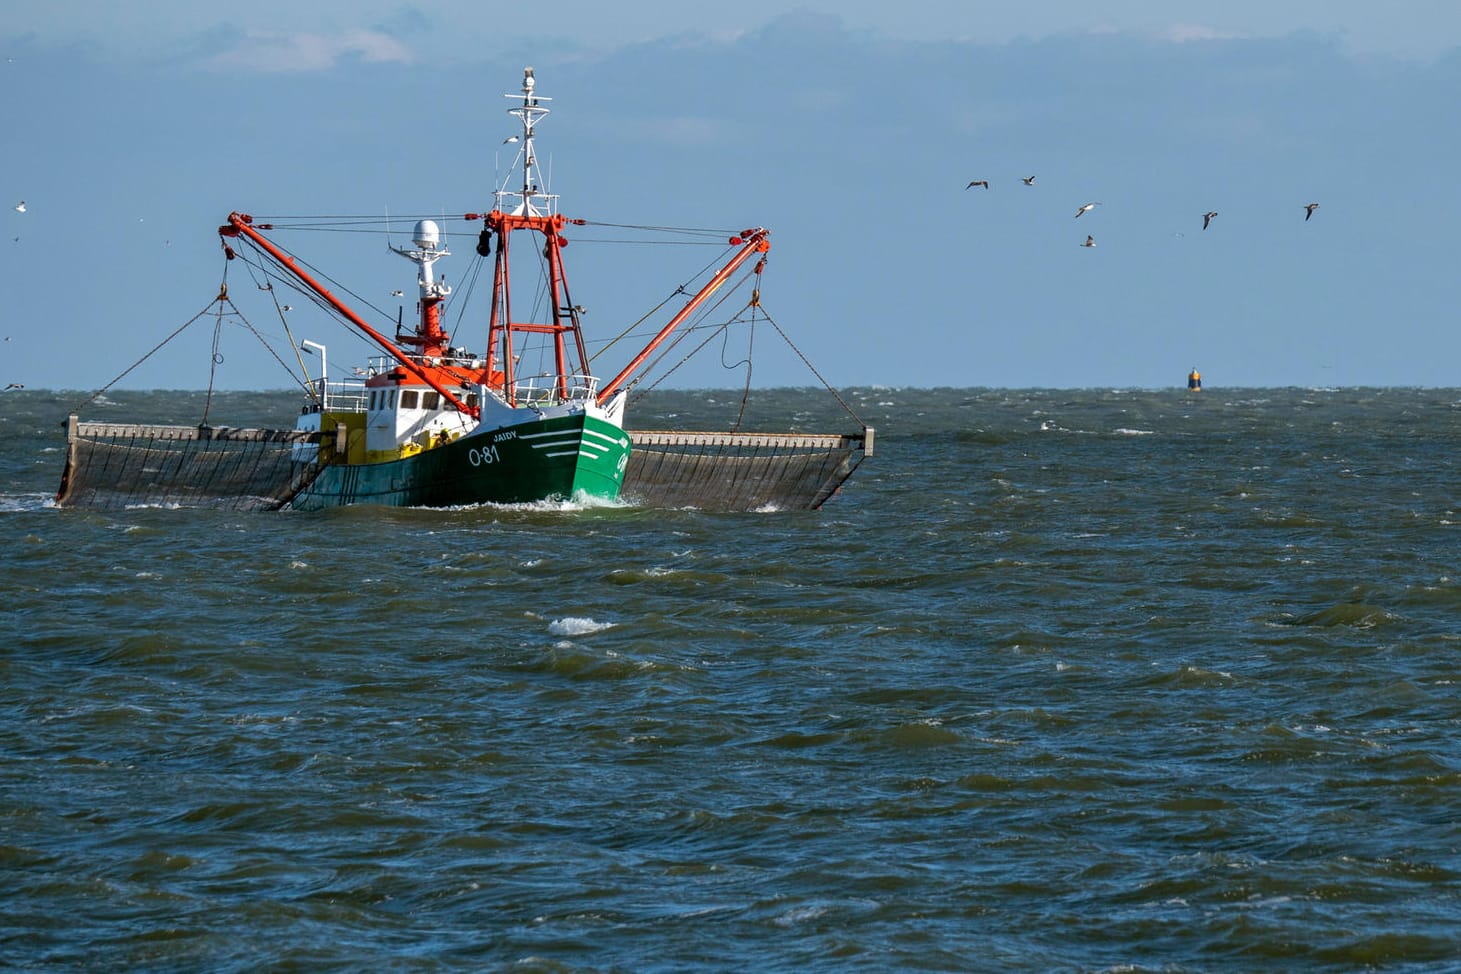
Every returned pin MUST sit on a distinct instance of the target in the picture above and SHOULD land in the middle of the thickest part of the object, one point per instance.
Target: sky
(849, 129)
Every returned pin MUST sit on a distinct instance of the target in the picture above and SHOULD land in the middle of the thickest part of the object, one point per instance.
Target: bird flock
(1090, 240)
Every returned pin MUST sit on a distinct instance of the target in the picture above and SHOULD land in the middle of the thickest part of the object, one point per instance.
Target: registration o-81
(484, 456)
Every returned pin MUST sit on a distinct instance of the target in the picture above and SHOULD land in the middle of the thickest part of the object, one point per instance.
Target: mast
(528, 207)
(429, 339)
(529, 113)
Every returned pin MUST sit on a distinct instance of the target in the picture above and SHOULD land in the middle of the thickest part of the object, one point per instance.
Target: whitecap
(26, 502)
(800, 915)
(576, 626)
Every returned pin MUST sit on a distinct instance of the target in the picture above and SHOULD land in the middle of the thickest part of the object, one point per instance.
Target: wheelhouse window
(430, 400)
(408, 398)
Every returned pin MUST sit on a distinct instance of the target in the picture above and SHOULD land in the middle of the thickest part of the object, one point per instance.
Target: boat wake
(551, 505)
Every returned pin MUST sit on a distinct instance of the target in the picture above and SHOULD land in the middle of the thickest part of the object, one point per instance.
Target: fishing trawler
(432, 423)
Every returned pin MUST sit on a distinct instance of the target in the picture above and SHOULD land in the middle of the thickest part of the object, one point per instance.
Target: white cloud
(1183, 33)
(274, 52)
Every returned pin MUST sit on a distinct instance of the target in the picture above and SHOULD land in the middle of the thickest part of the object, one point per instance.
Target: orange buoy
(1194, 381)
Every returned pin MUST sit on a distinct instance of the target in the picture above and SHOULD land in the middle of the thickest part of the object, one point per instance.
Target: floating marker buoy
(1194, 381)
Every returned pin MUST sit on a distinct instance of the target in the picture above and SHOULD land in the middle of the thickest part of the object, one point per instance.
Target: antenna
(532, 200)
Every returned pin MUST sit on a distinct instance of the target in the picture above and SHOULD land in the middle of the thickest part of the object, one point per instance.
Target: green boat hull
(557, 458)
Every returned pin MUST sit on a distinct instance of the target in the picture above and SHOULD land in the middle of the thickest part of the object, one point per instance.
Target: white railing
(342, 396)
(542, 390)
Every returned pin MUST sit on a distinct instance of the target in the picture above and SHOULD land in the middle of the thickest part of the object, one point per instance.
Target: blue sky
(849, 129)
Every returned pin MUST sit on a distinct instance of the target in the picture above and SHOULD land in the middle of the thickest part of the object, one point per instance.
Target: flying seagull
(286, 307)
(1309, 209)
(510, 138)
(20, 207)
(1090, 241)
(398, 294)
(1207, 218)
(1088, 206)
(1028, 180)
(978, 182)
(14, 385)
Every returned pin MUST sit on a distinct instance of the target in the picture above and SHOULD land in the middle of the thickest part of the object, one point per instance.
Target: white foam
(576, 626)
(11, 503)
(579, 502)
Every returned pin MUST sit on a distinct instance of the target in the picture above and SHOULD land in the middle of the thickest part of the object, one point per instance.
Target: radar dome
(426, 235)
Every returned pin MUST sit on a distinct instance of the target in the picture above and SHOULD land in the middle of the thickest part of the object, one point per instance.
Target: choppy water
(1062, 681)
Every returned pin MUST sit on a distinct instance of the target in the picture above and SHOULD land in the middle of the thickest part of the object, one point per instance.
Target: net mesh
(110, 466)
(738, 471)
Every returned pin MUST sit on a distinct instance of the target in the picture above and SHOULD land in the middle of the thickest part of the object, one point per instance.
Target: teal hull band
(556, 458)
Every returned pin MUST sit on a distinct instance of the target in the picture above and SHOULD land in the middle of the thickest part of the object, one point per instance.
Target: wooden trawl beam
(115, 431)
(789, 441)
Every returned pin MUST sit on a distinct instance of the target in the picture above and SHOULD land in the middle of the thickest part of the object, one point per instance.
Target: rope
(268, 285)
(299, 357)
(259, 269)
(754, 303)
(215, 360)
(750, 348)
(675, 341)
(265, 342)
(825, 384)
(628, 331)
(461, 298)
(682, 289)
(220, 298)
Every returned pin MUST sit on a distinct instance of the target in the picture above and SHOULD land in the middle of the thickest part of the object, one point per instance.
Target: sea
(1097, 680)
